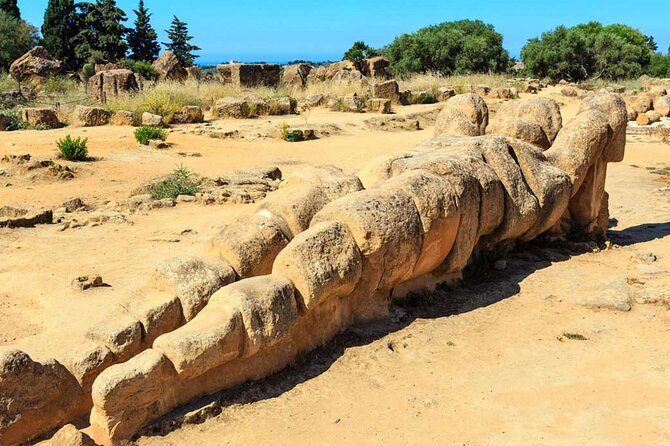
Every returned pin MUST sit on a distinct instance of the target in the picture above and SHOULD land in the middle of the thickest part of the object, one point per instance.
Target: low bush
(88, 71)
(144, 69)
(146, 133)
(295, 135)
(12, 119)
(424, 97)
(180, 182)
(73, 149)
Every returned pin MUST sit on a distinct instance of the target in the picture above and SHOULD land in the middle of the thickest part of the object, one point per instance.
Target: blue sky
(278, 31)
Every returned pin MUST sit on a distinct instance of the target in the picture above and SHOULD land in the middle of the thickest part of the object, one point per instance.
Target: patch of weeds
(59, 85)
(294, 135)
(575, 337)
(146, 133)
(338, 105)
(180, 182)
(12, 119)
(144, 69)
(73, 149)
(424, 97)
(451, 344)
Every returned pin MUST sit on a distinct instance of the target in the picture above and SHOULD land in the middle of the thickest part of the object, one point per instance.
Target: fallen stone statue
(329, 250)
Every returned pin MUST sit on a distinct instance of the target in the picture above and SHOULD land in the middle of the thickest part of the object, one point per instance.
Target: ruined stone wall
(328, 250)
(249, 75)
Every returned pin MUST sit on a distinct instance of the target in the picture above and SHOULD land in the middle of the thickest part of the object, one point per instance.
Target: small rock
(136, 201)
(646, 257)
(73, 205)
(152, 120)
(652, 295)
(87, 281)
(612, 294)
(158, 144)
(185, 199)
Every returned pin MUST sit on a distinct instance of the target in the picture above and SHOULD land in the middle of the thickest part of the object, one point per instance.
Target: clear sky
(279, 31)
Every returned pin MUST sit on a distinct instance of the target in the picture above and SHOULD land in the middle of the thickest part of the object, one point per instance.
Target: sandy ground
(487, 364)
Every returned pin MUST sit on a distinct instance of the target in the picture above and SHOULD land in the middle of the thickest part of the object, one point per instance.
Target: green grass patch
(180, 182)
(146, 133)
(73, 149)
(12, 119)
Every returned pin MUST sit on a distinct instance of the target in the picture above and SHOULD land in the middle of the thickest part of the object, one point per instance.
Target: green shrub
(461, 47)
(13, 119)
(144, 69)
(180, 182)
(73, 149)
(88, 71)
(146, 133)
(424, 97)
(589, 50)
(294, 135)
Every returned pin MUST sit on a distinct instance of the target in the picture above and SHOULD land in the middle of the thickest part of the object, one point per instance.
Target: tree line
(90, 32)
(578, 53)
(78, 33)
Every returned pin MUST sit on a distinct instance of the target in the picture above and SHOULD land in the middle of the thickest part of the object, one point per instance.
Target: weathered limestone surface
(323, 255)
(250, 75)
(112, 83)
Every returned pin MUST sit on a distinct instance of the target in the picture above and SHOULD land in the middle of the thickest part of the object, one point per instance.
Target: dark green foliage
(87, 71)
(11, 7)
(144, 69)
(59, 30)
(102, 33)
(13, 119)
(143, 40)
(179, 42)
(180, 182)
(659, 65)
(295, 135)
(462, 47)
(73, 149)
(424, 97)
(359, 51)
(146, 133)
(588, 50)
(16, 38)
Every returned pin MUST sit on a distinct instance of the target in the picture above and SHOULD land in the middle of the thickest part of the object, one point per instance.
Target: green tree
(659, 65)
(11, 7)
(143, 40)
(462, 47)
(102, 31)
(16, 38)
(59, 31)
(359, 51)
(588, 50)
(179, 42)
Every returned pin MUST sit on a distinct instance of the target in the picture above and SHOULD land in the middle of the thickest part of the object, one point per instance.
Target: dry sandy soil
(521, 356)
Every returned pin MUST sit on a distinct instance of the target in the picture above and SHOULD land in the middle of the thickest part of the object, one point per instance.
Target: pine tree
(59, 30)
(179, 42)
(102, 31)
(143, 40)
(11, 8)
